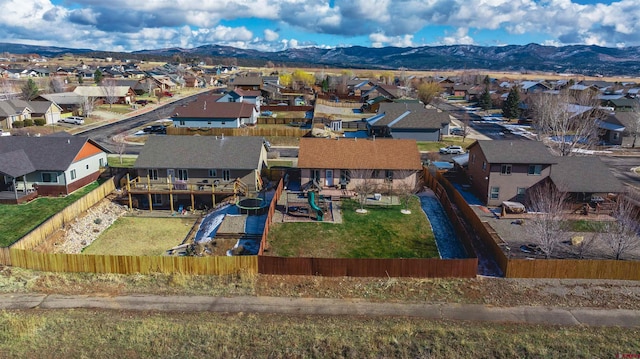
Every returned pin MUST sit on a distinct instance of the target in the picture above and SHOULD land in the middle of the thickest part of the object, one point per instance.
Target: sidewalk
(318, 306)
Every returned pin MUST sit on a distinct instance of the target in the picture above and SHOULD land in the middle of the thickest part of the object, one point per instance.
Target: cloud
(117, 24)
(270, 35)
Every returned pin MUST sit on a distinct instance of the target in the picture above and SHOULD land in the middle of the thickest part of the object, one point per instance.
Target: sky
(274, 25)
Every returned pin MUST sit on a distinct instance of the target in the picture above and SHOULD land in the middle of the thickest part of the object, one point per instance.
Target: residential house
(622, 104)
(388, 163)
(67, 101)
(213, 114)
(47, 110)
(611, 130)
(534, 87)
(250, 83)
(12, 111)
(48, 165)
(240, 95)
(197, 170)
(122, 94)
(506, 170)
(409, 120)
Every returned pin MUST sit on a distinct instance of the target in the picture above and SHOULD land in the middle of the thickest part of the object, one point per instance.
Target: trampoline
(252, 205)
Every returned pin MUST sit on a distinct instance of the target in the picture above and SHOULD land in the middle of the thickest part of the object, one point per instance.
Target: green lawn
(141, 236)
(280, 163)
(126, 162)
(453, 140)
(18, 220)
(383, 232)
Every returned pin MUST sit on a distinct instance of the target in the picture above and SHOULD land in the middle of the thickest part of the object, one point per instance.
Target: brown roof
(208, 109)
(347, 153)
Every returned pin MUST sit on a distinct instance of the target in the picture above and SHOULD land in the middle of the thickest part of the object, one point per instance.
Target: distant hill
(578, 59)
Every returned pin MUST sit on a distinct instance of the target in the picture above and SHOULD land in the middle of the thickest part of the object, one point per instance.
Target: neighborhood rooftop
(391, 154)
(202, 152)
(522, 151)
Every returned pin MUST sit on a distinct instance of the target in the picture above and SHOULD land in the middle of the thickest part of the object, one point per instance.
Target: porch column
(150, 202)
(129, 192)
(171, 193)
(24, 182)
(15, 190)
(193, 207)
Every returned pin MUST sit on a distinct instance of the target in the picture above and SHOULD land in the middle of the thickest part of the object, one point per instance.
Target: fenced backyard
(537, 268)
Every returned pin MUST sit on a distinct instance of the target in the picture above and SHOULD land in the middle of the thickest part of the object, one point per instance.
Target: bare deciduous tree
(636, 122)
(57, 84)
(568, 117)
(8, 90)
(406, 187)
(121, 145)
(87, 106)
(109, 89)
(547, 202)
(364, 184)
(622, 236)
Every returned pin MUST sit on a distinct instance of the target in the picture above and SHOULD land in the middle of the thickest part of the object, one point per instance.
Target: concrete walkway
(318, 306)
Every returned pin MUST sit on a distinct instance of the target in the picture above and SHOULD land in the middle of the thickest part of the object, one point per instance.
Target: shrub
(97, 221)
(28, 122)
(40, 121)
(18, 124)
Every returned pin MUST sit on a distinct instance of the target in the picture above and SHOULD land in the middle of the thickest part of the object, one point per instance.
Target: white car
(452, 150)
(76, 120)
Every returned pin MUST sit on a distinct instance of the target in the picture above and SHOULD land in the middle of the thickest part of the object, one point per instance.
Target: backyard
(383, 232)
(18, 220)
(141, 236)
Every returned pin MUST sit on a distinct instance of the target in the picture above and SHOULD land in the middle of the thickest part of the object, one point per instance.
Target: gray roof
(46, 153)
(519, 151)
(15, 164)
(584, 174)
(417, 117)
(38, 107)
(64, 98)
(201, 152)
(12, 107)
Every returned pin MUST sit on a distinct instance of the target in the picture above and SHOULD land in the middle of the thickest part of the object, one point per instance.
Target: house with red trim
(47, 166)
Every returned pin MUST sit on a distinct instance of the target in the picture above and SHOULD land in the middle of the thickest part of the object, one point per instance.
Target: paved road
(621, 167)
(104, 133)
(318, 306)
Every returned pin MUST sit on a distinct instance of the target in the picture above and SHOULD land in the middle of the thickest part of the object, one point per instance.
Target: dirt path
(339, 307)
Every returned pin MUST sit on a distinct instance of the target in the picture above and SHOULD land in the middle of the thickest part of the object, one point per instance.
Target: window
(473, 158)
(520, 193)
(153, 174)
(535, 170)
(345, 176)
(156, 198)
(484, 165)
(182, 123)
(182, 174)
(616, 136)
(72, 174)
(213, 173)
(49, 177)
(101, 162)
(388, 175)
(375, 174)
(505, 169)
(315, 175)
(226, 175)
(87, 166)
(495, 192)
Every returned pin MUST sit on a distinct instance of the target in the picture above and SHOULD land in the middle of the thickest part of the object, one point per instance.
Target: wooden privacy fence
(357, 267)
(456, 221)
(67, 215)
(286, 131)
(272, 210)
(540, 268)
(573, 268)
(5, 256)
(62, 262)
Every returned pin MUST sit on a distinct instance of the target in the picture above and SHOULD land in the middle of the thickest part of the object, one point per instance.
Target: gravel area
(88, 227)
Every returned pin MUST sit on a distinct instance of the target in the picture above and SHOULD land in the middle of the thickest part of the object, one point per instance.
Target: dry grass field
(141, 236)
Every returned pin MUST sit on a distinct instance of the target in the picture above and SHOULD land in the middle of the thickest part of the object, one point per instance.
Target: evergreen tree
(30, 90)
(484, 102)
(511, 107)
(97, 76)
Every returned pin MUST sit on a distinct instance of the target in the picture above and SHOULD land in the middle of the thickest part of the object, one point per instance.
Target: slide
(314, 206)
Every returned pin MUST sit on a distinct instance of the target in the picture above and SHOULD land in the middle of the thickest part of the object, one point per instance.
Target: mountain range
(575, 59)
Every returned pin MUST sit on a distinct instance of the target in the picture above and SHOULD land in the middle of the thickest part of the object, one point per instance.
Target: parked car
(452, 150)
(160, 129)
(75, 120)
(458, 131)
(142, 102)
